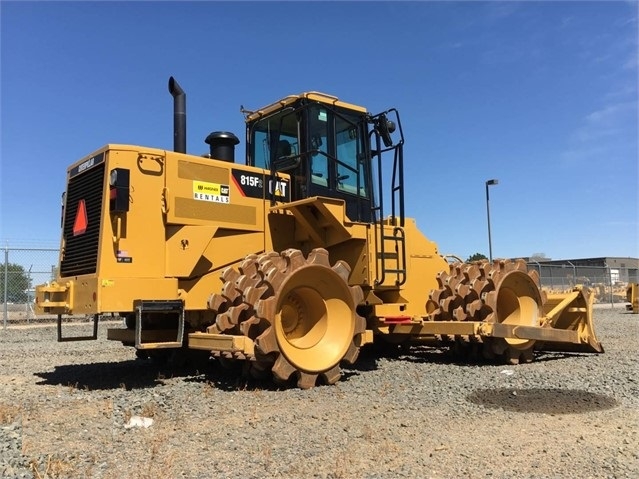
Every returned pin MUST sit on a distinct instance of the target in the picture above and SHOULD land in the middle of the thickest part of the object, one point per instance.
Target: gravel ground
(64, 408)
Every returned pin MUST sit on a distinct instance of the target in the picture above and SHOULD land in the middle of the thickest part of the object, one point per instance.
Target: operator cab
(322, 143)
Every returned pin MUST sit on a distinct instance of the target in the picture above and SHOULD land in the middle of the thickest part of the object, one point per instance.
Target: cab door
(337, 159)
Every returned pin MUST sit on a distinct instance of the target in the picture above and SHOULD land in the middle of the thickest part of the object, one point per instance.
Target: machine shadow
(132, 374)
(417, 353)
(143, 374)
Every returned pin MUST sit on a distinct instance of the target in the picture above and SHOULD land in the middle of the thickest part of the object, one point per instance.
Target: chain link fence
(21, 270)
(609, 284)
(24, 268)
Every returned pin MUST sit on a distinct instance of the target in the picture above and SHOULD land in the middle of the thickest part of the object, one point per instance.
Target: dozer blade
(571, 311)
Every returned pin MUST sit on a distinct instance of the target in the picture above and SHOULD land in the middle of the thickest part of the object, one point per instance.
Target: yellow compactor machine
(290, 260)
(632, 296)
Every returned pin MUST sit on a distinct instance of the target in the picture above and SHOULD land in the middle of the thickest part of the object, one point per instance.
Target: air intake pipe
(222, 145)
(179, 116)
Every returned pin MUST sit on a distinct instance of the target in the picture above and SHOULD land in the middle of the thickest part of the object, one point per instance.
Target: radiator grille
(81, 250)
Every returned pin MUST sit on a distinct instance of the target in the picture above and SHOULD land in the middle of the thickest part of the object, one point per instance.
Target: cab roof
(311, 95)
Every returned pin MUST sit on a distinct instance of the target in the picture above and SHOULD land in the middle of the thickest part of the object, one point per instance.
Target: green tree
(539, 257)
(17, 283)
(476, 257)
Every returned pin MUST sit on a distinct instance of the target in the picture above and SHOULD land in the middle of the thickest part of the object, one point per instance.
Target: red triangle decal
(81, 220)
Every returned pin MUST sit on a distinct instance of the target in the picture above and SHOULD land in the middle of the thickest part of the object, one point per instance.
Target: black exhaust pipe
(179, 116)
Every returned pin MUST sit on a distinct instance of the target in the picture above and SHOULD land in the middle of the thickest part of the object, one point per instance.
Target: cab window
(272, 138)
(318, 132)
(348, 148)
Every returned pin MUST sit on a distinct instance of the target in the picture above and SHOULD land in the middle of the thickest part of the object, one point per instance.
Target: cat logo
(280, 188)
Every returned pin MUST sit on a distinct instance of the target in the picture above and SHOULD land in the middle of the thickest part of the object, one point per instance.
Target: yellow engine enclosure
(191, 217)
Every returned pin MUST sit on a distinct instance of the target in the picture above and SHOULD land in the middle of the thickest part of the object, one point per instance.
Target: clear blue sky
(540, 95)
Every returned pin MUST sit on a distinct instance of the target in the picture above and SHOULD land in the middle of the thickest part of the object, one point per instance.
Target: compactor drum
(299, 312)
(290, 262)
(505, 294)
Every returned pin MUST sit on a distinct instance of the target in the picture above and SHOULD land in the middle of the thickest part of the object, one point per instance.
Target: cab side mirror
(385, 127)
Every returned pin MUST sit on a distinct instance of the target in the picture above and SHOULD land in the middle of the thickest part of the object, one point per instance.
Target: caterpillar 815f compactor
(290, 261)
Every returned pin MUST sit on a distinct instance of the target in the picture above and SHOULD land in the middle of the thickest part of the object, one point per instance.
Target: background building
(608, 276)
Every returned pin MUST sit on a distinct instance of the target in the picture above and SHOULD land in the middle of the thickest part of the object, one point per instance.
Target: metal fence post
(612, 304)
(28, 307)
(6, 282)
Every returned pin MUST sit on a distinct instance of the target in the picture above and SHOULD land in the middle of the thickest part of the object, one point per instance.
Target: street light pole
(490, 244)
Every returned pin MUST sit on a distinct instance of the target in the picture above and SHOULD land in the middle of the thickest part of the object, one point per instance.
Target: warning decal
(214, 192)
(81, 220)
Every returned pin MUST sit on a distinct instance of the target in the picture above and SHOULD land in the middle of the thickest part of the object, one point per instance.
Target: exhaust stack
(179, 116)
